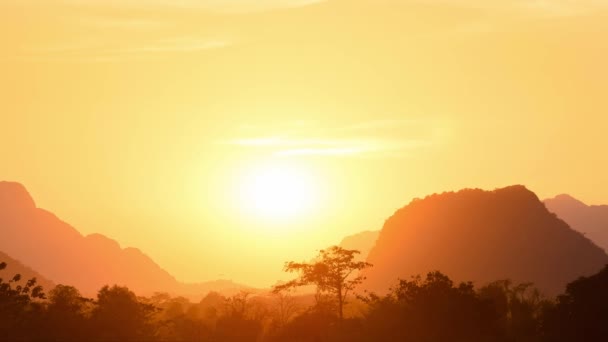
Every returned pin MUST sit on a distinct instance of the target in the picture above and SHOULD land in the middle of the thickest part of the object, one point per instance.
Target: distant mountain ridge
(52, 247)
(363, 242)
(591, 220)
(482, 236)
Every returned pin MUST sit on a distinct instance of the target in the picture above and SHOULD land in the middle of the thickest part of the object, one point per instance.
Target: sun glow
(278, 192)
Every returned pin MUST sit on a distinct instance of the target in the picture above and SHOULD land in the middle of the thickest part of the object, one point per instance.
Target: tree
(66, 298)
(237, 323)
(519, 308)
(285, 308)
(332, 272)
(238, 304)
(581, 313)
(434, 309)
(20, 309)
(65, 316)
(120, 316)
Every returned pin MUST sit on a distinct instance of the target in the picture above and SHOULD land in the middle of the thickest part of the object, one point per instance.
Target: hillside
(14, 267)
(362, 242)
(54, 248)
(482, 236)
(591, 220)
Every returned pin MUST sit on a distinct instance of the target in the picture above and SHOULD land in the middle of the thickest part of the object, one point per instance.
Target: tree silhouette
(285, 308)
(433, 310)
(120, 316)
(65, 313)
(519, 308)
(237, 323)
(20, 309)
(581, 314)
(332, 272)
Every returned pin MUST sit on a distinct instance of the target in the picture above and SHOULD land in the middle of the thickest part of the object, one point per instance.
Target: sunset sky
(214, 133)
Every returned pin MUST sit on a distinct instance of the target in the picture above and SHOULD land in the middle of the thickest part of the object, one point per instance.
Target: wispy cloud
(344, 151)
(293, 146)
(382, 124)
(368, 138)
(363, 147)
(120, 23)
(562, 7)
(540, 7)
(240, 6)
(99, 52)
(223, 6)
(179, 44)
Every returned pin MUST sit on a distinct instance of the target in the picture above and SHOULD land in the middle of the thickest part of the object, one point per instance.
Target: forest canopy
(422, 308)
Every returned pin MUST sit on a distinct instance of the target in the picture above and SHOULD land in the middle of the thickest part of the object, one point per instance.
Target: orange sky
(142, 120)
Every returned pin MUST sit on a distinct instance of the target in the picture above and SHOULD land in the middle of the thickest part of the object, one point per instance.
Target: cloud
(120, 23)
(381, 124)
(100, 52)
(355, 148)
(179, 44)
(223, 6)
(344, 151)
(562, 7)
(542, 7)
(118, 30)
(292, 146)
(385, 137)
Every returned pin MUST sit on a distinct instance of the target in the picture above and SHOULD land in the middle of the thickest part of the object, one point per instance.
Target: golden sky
(149, 120)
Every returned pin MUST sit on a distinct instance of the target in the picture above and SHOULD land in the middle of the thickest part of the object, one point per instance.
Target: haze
(145, 120)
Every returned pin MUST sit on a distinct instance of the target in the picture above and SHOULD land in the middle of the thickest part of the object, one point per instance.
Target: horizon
(276, 128)
(558, 198)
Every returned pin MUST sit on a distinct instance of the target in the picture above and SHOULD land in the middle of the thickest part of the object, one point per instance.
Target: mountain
(14, 267)
(362, 242)
(482, 236)
(591, 220)
(61, 253)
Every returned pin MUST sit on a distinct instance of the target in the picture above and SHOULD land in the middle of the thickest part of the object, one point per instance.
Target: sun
(278, 192)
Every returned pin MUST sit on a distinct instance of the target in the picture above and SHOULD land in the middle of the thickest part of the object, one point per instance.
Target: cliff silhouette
(482, 236)
(62, 254)
(591, 220)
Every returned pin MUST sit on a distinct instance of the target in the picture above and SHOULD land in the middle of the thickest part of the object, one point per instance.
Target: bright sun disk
(278, 192)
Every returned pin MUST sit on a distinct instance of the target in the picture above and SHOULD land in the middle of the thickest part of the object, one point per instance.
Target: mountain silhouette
(591, 220)
(362, 242)
(14, 267)
(482, 236)
(57, 250)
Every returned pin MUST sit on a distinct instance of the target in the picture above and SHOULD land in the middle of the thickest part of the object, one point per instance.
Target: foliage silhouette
(120, 316)
(66, 314)
(429, 309)
(433, 309)
(581, 314)
(331, 272)
(20, 307)
(519, 307)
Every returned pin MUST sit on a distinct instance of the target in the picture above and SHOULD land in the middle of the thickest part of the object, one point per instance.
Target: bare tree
(286, 307)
